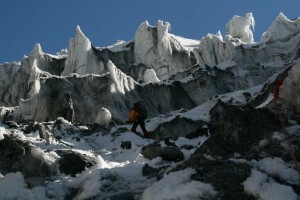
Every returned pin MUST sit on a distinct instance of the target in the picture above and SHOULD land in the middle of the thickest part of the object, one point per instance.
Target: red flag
(276, 92)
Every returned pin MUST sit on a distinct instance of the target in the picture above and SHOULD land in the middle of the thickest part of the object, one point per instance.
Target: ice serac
(45, 62)
(150, 76)
(213, 50)
(121, 82)
(18, 78)
(100, 77)
(81, 59)
(78, 97)
(34, 82)
(15, 78)
(282, 29)
(243, 58)
(155, 48)
(240, 27)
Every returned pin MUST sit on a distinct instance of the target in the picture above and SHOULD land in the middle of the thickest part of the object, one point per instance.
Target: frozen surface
(260, 186)
(177, 185)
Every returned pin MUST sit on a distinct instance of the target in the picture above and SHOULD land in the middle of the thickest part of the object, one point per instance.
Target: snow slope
(191, 89)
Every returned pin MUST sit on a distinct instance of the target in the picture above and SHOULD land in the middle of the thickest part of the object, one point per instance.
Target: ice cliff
(166, 71)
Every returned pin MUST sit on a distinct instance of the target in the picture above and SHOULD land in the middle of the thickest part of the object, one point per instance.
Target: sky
(53, 23)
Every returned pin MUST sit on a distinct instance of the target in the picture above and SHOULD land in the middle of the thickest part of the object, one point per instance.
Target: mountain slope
(216, 131)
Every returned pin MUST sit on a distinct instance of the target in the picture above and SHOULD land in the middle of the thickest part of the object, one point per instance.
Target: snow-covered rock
(103, 117)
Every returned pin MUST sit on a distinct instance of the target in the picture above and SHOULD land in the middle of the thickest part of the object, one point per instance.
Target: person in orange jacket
(137, 116)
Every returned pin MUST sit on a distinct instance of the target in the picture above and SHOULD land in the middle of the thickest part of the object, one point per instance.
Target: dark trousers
(141, 122)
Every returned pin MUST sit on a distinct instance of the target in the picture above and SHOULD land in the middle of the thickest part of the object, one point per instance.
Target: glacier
(216, 65)
(214, 94)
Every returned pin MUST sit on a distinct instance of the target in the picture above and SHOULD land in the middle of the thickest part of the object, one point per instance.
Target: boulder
(126, 145)
(166, 153)
(149, 171)
(238, 128)
(74, 163)
(225, 176)
(17, 155)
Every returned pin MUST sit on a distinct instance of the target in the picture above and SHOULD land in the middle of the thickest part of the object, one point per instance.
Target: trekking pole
(286, 134)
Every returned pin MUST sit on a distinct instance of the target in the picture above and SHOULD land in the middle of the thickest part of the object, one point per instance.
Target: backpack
(141, 110)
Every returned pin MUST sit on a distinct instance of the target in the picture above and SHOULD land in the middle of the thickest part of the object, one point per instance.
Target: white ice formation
(103, 117)
(150, 76)
(80, 59)
(188, 71)
(240, 27)
(155, 47)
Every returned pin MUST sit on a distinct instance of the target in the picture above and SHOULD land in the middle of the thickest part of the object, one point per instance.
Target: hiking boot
(146, 134)
(133, 130)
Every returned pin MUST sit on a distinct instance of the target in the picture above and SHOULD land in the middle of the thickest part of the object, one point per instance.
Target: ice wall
(99, 77)
(277, 46)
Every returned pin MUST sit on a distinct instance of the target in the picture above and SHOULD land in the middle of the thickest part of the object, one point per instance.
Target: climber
(137, 116)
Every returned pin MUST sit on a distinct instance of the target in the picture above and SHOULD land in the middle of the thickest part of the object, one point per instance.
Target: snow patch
(178, 185)
(2, 132)
(118, 46)
(277, 167)
(201, 112)
(266, 102)
(260, 186)
(13, 186)
(188, 44)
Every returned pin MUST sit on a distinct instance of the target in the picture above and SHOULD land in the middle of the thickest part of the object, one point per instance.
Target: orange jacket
(132, 115)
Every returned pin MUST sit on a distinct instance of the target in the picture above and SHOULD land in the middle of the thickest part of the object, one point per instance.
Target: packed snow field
(124, 166)
(217, 131)
(119, 170)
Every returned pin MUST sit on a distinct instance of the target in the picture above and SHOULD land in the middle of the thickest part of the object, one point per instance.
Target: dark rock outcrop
(225, 177)
(237, 129)
(73, 163)
(126, 145)
(178, 127)
(17, 155)
(166, 153)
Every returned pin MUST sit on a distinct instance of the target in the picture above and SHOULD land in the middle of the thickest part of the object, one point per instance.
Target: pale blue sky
(53, 22)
